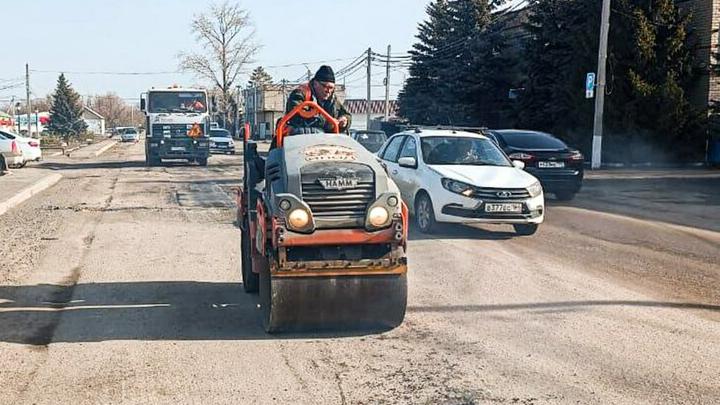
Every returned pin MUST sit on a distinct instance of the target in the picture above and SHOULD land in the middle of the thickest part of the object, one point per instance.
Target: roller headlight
(299, 218)
(378, 216)
(535, 189)
(392, 201)
(458, 187)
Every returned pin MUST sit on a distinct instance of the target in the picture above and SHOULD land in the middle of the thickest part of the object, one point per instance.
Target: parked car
(221, 141)
(371, 140)
(11, 151)
(29, 147)
(462, 177)
(558, 166)
(128, 134)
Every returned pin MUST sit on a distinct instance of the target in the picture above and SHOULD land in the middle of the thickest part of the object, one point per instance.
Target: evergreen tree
(259, 78)
(66, 110)
(561, 50)
(420, 100)
(647, 112)
(458, 69)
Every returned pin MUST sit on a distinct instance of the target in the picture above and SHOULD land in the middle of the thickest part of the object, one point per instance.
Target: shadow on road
(187, 310)
(692, 202)
(457, 231)
(93, 165)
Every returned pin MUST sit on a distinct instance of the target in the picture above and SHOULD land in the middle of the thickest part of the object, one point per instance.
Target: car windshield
(167, 102)
(220, 133)
(455, 150)
(532, 140)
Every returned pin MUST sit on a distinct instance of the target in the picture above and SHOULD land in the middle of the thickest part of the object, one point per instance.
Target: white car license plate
(506, 207)
(551, 165)
(177, 148)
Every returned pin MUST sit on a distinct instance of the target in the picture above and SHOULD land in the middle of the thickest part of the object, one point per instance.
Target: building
(705, 29)
(95, 122)
(358, 109)
(38, 121)
(264, 106)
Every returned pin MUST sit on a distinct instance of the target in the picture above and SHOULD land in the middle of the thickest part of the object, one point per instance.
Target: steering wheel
(306, 110)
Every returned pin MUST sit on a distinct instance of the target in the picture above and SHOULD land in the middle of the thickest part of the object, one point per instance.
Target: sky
(81, 36)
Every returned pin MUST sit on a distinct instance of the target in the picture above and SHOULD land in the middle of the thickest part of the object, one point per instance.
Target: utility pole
(600, 91)
(369, 65)
(387, 86)
(27, 93)
(237, 111)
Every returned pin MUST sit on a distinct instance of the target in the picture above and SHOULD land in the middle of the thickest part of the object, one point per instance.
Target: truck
(177, 122)
(324, 232)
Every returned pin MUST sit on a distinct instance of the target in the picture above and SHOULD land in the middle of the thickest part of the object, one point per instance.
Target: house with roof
(359, 108)
(95, 122)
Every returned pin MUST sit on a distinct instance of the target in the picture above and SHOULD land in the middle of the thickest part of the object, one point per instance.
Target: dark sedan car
(371, 140)
(558, 166)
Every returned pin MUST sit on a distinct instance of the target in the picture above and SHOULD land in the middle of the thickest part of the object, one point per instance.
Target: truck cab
(178, 125)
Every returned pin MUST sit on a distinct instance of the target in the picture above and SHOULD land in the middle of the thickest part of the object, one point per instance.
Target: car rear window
(373, 137)
(220, 133)
(532, 140)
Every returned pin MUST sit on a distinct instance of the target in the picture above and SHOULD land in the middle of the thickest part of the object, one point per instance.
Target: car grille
(500, 194)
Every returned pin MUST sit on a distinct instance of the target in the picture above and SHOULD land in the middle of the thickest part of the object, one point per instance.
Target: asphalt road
(121, 285)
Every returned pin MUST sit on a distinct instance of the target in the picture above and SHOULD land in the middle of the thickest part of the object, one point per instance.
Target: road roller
(323, 232)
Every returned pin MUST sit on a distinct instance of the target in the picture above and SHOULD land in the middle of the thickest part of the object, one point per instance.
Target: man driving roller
(320, 89)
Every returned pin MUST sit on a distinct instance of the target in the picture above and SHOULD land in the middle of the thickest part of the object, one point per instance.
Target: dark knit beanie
(325, 74)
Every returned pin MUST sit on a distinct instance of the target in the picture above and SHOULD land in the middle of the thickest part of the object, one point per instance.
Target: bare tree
(227, 37)
(115, 110)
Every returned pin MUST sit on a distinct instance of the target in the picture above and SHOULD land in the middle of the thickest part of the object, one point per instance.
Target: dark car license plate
(551, 165)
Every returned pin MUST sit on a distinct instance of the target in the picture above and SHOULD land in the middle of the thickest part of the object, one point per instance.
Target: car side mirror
(142, 104)
(409, 162)
(519, 164)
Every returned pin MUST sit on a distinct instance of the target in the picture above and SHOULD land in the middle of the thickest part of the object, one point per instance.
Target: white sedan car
(462, 177)
(30, 147)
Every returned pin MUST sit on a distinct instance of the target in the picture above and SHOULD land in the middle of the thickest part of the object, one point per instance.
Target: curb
(24, 194)
(105, 148)
(88, 154)
(63, 152)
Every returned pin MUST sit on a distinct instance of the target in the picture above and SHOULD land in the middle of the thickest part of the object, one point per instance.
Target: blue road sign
(590, 85)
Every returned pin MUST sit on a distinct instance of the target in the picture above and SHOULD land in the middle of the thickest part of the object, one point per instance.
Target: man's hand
(342, 121)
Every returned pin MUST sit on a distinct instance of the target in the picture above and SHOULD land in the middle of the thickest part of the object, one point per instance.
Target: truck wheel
(202, 161)
(425, 214)
(526, 229)
(250, 279)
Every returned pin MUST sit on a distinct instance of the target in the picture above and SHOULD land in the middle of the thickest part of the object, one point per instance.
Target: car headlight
(299, 218)
(378, 216)
(458, 187)
(535, 189)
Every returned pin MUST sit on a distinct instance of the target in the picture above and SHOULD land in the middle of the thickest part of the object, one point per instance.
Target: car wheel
(202, 161)
(564, 195)
(526, 229)
(425, 214)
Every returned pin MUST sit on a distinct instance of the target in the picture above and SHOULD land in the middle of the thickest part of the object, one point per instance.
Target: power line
(105, 73)
(306, 63)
